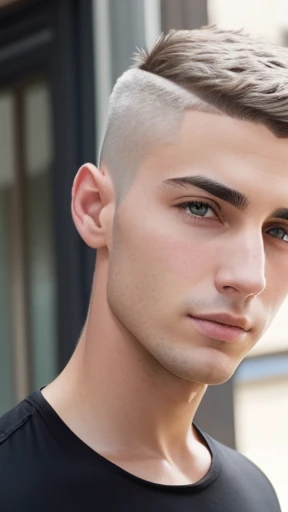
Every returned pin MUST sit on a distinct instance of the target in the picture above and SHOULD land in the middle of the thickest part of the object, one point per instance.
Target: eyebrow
(281, 213)
(217, 189)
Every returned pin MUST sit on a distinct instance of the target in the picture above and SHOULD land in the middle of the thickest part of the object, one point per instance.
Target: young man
(188, 212)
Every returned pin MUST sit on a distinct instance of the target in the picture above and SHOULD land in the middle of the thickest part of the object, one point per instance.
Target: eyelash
(184, 206)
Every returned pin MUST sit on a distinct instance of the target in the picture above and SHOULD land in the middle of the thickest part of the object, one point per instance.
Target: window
(28, 287)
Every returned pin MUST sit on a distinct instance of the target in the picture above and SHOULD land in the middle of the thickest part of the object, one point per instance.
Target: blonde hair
(221, 71)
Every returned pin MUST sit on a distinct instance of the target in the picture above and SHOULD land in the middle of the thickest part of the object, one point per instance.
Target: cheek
(176, 257)
(167, 258)
(158, 259)
(158, 237)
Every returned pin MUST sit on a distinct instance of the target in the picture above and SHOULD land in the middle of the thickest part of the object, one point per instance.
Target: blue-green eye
(198, 209)
(279, 233)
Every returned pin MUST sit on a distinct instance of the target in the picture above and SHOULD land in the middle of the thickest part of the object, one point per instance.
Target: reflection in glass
(40, 250)
(7, 173)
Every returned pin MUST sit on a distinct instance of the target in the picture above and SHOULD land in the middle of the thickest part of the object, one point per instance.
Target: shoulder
(14, 420)
(235, 462)
(16, 434)
(242, 479)
(238, 465)
(19, 468)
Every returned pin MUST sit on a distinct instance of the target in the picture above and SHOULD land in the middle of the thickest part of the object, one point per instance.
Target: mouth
(221, 327)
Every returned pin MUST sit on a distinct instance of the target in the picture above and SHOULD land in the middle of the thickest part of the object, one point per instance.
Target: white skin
(141, 368)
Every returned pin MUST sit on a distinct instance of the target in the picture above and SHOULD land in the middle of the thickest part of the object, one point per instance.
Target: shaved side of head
(145, 111)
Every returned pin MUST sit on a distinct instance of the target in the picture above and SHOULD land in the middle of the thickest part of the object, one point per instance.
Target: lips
(226, 319)
(223, 327)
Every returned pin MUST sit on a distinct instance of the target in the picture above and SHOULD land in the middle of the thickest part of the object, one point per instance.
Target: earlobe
(92, 194)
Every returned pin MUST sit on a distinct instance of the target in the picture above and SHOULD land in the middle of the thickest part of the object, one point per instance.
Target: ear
(93, 205)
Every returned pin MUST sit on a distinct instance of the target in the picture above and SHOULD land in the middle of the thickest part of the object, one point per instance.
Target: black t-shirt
(45, 467)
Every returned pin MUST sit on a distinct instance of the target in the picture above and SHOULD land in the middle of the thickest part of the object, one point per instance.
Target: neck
(113, 393)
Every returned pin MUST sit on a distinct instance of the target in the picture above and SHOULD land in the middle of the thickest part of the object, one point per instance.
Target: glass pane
(267, 18)
(40, 246)
(261, 423)
(7, 173)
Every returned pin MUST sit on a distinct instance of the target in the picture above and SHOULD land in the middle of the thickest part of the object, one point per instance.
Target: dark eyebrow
(214, 188)
(281, 213)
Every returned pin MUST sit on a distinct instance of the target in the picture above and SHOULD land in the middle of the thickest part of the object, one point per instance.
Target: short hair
(220, 71)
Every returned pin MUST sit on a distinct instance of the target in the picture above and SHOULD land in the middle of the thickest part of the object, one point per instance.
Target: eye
(280, 233)
(198, 209)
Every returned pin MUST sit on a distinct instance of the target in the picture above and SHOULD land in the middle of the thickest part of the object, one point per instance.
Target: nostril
(232, 288)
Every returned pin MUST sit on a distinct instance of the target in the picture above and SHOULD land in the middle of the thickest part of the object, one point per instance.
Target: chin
(217, 378)
(210, 371)
(208, 378)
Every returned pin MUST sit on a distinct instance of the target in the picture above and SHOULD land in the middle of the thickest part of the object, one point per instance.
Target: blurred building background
(59, 60)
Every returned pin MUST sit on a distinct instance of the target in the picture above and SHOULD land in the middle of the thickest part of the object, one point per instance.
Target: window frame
(55, 38)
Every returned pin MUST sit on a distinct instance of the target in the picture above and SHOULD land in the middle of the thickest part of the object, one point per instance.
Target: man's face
(191, 258)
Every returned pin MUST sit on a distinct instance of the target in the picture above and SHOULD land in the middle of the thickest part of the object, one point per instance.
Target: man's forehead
(198, 129)
(242, 175)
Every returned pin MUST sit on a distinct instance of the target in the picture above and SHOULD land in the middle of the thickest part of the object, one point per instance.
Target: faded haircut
(220, 71)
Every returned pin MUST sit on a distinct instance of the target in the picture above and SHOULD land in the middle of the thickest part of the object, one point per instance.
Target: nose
(241, 271)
